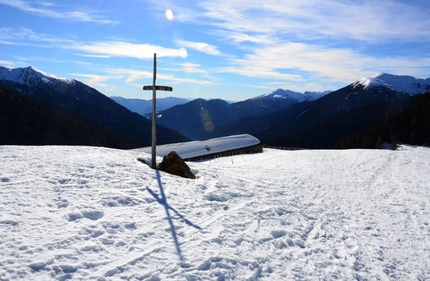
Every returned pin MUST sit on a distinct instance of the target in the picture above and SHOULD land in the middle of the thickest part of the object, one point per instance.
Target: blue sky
(229, 49)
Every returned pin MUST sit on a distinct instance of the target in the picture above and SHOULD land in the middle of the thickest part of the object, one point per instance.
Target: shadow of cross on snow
(167, 207)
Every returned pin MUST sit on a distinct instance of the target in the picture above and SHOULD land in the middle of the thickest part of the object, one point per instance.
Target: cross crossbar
(158, 87)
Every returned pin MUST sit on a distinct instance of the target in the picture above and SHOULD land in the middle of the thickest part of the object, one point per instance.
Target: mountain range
(318, 123)
(198, 118)
(94, 109)
(79, 114)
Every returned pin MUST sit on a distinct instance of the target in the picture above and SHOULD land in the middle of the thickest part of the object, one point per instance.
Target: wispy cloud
(193, 68)
(284, 61)
(100, 82)
(10, 64)
(298, 40)
(125, 49)
(132, 75)
(106, 49)
(199, 46)
(301, 45)
(96, 79)
(340, 64)
(26, 36)
(313, 19)
(46, 9)
(103, 49)
(108, 77)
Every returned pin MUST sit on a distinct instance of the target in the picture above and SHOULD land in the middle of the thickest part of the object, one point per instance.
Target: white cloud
(299, 65)
(324, 41)
(199, 46)
(133, 75)
(125, 49)
(288, 43)
(10, 64)
(314, 19)
(109, 82)
(238, 38)
(95, 79)
(278, 61)
(342, 65)
(106, 49)
(23, 36)
(193, 68)
(45, 9)
(99, 82)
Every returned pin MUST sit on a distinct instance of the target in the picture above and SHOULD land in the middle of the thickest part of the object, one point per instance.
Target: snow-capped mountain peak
(403, 83)
(288, 94)
(30, 76)
(280, 94)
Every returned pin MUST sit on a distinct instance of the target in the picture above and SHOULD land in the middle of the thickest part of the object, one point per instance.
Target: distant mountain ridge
(192, 118)
(324, 122)
(83, 100)
(275, 100)
(287, 94)
(143, 106)
(284, 111)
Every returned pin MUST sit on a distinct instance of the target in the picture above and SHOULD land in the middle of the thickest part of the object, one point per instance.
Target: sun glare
(169, 14)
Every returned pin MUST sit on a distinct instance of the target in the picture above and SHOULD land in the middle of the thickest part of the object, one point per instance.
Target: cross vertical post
(154, 109)
(154, 88)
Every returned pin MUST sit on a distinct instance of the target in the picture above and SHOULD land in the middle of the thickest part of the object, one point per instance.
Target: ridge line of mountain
(278, 115)
(80, 99)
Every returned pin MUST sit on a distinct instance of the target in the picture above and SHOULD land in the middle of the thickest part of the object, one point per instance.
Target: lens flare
(209, 126)
(206, 120)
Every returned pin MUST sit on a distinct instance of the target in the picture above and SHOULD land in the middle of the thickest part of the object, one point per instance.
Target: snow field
(88, 213)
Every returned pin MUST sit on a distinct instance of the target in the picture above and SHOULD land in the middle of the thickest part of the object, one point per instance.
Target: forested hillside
(411, 124)
(26, 120)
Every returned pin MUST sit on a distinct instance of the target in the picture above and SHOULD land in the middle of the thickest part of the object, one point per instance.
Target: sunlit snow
(24, 75)
(88, 213)
(407, 84)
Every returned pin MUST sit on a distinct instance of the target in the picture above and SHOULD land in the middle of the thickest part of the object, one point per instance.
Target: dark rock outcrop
(173, 164)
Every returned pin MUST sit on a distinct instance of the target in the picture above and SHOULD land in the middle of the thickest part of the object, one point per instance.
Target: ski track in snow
(86, 213)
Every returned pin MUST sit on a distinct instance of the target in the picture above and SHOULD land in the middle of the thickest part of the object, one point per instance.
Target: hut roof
(193, 149)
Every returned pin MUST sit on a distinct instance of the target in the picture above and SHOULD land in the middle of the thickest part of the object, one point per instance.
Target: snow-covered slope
(310, 96)
(407, 84)
(88, 213)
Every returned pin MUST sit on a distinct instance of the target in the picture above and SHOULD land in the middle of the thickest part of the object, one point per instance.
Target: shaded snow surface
(87, 213)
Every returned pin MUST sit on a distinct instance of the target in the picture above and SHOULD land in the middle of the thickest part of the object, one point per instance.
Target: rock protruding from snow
(173, 164)
(401, 83)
